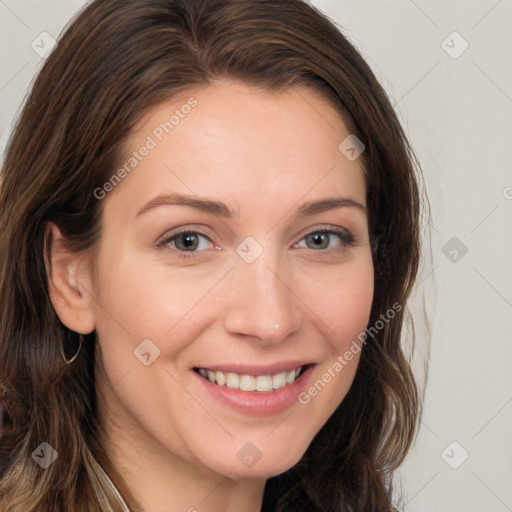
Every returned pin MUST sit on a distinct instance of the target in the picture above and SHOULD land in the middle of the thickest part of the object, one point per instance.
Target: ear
(69, 283)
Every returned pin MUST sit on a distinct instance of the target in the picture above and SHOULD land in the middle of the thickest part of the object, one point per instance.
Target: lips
(248, 382)
(212, 384)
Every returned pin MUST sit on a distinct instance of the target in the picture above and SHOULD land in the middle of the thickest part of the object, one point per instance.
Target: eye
(186, 242)
(324, 239)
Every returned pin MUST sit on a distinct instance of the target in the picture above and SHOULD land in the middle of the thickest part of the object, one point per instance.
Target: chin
(266, 467)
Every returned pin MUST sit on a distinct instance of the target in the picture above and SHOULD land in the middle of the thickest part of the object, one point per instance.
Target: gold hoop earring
(69, 361)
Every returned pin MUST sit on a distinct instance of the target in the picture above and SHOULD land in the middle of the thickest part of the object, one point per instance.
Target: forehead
(245, 146)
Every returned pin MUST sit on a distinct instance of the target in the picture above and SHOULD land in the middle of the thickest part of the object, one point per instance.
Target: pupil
(320, 239)
(189, 241)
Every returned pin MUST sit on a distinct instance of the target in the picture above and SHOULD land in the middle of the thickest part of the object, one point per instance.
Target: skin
(263, 154)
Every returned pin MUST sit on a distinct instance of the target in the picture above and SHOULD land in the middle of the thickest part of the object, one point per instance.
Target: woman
(210, 230)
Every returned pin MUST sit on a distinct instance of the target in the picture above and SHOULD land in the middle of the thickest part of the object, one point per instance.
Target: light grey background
(458, 114)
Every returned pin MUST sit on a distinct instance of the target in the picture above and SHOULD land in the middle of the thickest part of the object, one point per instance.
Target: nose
(262, 303)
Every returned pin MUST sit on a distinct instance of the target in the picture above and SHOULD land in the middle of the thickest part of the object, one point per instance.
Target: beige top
(116, 492)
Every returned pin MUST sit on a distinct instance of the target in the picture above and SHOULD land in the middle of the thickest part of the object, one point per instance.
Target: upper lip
(255, 369)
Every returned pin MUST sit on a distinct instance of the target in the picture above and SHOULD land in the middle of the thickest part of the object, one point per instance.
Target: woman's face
(270, 278)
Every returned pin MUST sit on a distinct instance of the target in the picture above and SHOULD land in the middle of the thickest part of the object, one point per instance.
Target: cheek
(341, 298)
(350, 311)
(142, 300)
(343, 304)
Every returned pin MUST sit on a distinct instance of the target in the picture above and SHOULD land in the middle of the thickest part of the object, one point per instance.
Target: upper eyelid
(165, 239)
(331, 230)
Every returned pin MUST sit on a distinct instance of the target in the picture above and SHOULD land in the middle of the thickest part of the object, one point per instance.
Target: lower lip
(257, 403)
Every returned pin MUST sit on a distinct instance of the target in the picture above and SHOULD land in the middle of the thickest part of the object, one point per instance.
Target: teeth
(279, 380)
(232, 381)
(220, 378)
(248, 383)
(262, 383)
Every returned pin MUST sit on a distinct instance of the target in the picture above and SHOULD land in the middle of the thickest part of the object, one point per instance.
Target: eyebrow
(222, 210)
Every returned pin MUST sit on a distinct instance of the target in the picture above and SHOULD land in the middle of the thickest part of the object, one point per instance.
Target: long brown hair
(117, 60)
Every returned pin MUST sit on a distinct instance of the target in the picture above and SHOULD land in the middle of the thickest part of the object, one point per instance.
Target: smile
(245, 382)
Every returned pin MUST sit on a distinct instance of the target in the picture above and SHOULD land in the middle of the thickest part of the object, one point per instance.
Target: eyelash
(345, 236)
